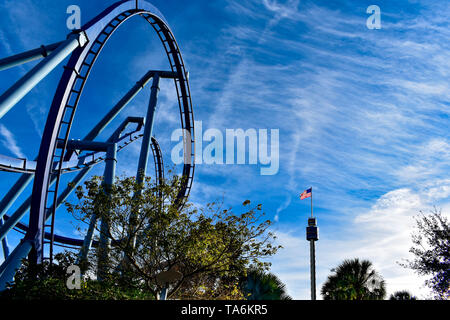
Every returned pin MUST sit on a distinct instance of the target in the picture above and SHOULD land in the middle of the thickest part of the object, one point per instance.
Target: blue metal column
(5, 246)
(87, 243)
(28, 56)
(105, 241)
(43, 68)
(14, 192)
(119, 106)
(109, 174)
(6, 203)
(146, 139)
(25, 206)
(13, 262)
(15, 218)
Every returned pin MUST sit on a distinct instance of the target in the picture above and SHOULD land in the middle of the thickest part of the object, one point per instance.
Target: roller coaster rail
(59, 154)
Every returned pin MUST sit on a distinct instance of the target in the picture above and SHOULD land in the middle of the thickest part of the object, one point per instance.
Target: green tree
(261, 285)
(354, 280)
(151, 238)
(431, 248)
(49, 282)
(402, 295)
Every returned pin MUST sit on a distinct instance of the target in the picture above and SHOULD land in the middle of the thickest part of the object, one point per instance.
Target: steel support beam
(148, 128)
(146, 141)
(5, 246)
(87, 242)
(124, 101)
(31, 55)
(14, 192)
(15, 218)
(88, 239)
(109, 174)
(105, 241)
(12, 263)
(42, 69)
(25, 206)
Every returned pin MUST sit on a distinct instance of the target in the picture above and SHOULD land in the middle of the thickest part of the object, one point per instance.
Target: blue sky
(363, 115)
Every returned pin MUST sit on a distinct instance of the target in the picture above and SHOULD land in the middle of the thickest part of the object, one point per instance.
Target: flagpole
(311, 204)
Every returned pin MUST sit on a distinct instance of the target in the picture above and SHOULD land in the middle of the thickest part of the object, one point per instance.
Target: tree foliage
(149, 235)
(431, 248)
(261, 285)
(354, 280)
(49, 282)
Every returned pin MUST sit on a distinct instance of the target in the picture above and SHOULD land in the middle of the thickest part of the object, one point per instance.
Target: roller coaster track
(58, 153)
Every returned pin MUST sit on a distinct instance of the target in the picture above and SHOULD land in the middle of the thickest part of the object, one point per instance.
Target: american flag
(306, 194)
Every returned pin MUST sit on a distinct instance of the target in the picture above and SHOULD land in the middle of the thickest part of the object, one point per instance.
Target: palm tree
(259, 285)
(354, 280)
(402, 295)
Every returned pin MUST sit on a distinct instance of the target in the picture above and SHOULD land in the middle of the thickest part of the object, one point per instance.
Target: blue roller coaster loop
(58, 154)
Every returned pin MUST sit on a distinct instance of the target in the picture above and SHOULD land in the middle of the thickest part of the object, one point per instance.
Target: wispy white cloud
(9, 141)
(283, 206)
(5, 44)
(282, 11)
